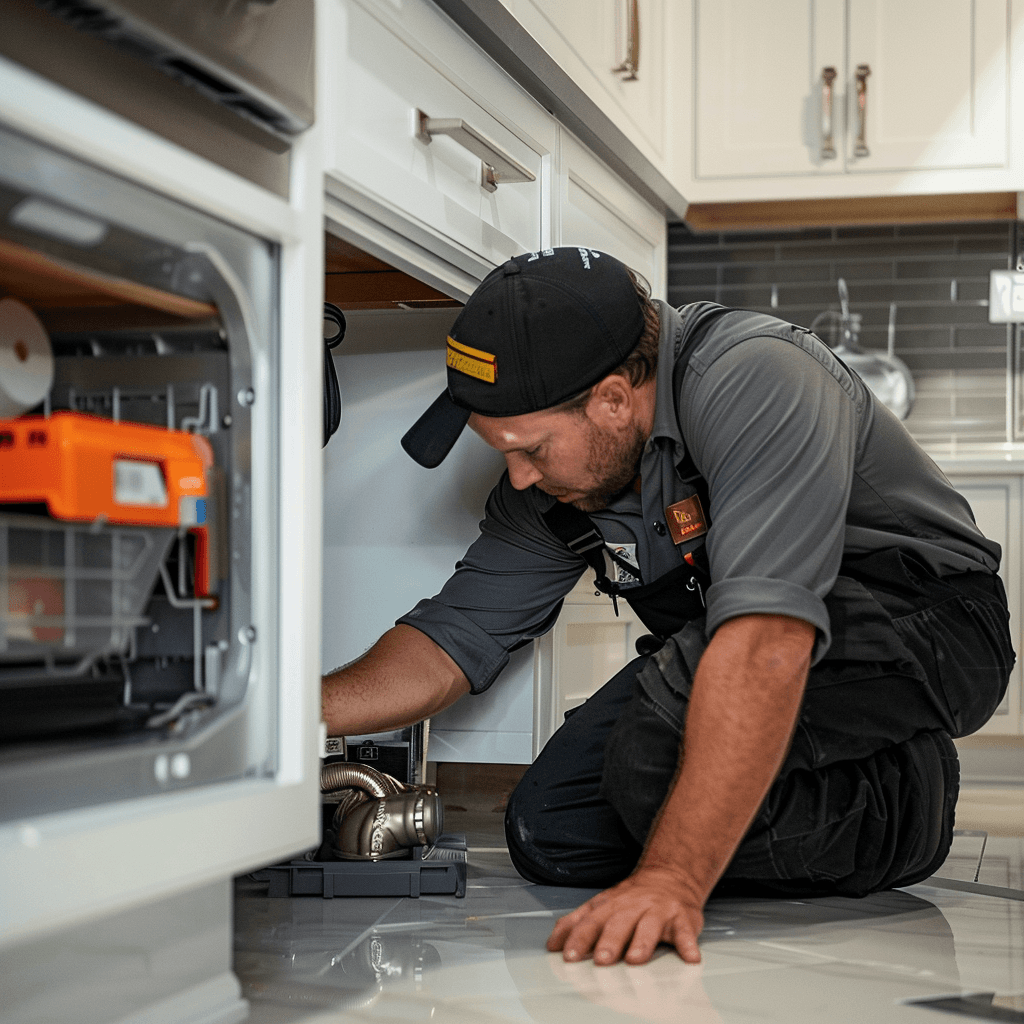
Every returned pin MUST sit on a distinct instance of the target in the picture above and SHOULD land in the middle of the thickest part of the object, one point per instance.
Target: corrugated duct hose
(377, 816)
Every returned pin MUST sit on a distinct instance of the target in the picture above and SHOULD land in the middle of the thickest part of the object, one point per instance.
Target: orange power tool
(88, 469)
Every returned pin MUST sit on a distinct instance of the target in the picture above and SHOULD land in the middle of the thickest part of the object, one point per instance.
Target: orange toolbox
(88, 469)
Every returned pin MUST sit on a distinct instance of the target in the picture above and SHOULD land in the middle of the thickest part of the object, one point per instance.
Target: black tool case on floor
(431, 871)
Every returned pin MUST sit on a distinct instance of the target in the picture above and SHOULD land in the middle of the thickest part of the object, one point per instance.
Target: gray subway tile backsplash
(953, 314)
(948, 359)
(926, 284)
(993, 336)
(962, 266)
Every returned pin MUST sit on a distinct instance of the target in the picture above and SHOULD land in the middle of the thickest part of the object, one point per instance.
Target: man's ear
(611, 400)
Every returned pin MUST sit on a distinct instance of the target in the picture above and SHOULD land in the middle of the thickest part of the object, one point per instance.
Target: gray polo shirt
(802, 465)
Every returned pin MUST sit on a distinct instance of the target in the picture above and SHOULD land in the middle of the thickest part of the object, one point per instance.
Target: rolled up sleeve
(505, 592)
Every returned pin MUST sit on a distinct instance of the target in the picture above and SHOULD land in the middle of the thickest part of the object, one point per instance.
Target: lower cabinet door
(996, 503)
(587, 646)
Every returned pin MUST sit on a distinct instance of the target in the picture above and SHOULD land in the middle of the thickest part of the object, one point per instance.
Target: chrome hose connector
(379, 828)
(377, 816)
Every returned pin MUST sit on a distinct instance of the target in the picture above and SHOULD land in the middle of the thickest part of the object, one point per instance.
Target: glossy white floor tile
(991, 860)
(482, 959)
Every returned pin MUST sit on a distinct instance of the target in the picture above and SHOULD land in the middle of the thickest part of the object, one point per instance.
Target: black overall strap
(577, 530)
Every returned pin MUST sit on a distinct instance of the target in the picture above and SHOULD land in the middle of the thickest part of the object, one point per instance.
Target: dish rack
(72, 593)
(89, 510)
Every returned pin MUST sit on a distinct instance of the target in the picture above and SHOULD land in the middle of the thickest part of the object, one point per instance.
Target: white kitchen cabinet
(920, 100)
(596, 209)
(997, 506)
(589, 642)
(588, 645)
(421, 207)
(617, 52)
(426, 180)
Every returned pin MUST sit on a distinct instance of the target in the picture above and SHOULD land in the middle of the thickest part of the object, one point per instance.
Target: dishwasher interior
(136, 427)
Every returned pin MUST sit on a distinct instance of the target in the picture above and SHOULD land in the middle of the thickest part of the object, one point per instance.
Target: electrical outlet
(1006, 297)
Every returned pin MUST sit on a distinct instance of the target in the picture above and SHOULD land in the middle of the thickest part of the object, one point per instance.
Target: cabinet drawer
(376, 84)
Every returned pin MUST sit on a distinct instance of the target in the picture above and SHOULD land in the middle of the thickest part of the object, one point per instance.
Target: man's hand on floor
(742, 710)
(629, 920)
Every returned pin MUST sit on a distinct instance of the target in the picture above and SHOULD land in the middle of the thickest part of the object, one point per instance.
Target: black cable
(334, 334)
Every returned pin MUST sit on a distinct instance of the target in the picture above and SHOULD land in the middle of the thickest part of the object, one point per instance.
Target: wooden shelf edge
(851, 212)
(89, 287)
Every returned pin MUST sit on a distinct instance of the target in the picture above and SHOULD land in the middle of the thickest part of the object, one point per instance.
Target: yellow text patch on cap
(472, 361)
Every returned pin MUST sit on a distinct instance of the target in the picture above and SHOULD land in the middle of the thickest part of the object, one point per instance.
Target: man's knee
(537, 856)
(528, 851)
(585, 846)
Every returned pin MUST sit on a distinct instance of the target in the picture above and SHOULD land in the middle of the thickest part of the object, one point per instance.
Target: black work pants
(912, 654)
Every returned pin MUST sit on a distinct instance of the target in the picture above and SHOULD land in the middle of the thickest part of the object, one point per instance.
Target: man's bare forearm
(404, 678)
(743, 708)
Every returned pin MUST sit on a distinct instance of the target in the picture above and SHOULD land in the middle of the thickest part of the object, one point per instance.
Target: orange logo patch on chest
(686, 520)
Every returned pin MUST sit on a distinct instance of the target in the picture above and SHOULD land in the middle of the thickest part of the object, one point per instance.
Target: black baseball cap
(539, 330)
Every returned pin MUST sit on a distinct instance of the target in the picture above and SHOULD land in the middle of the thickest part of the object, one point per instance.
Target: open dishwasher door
(157, 733)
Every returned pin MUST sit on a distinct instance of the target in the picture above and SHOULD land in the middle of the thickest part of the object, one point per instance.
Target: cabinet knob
(828, 148)
(861, 147)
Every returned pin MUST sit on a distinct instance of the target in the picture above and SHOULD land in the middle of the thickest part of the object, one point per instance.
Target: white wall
(393, 531)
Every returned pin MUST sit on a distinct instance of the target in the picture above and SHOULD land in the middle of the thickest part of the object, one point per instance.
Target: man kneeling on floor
(825, 615)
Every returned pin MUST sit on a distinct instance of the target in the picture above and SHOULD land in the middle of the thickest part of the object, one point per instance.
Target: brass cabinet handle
(828, 147)
(499, 167)
(861, 148)
(630, 66)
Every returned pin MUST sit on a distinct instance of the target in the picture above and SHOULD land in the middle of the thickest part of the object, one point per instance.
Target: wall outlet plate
(1006, 297)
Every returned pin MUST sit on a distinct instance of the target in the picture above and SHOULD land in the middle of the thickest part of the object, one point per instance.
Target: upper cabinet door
(763, 75)
(935, 92)
(615, 50)
(819, 87)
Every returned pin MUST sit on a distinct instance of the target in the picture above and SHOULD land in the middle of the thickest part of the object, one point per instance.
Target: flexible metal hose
(345, 775)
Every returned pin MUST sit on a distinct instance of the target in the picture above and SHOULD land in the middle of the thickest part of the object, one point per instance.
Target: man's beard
(614, 463)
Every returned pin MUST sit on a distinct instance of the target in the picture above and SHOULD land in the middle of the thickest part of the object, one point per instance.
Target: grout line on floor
(1001, 891)
(521, 913)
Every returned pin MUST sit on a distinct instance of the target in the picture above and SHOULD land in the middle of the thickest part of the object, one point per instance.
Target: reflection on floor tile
(481, 959)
